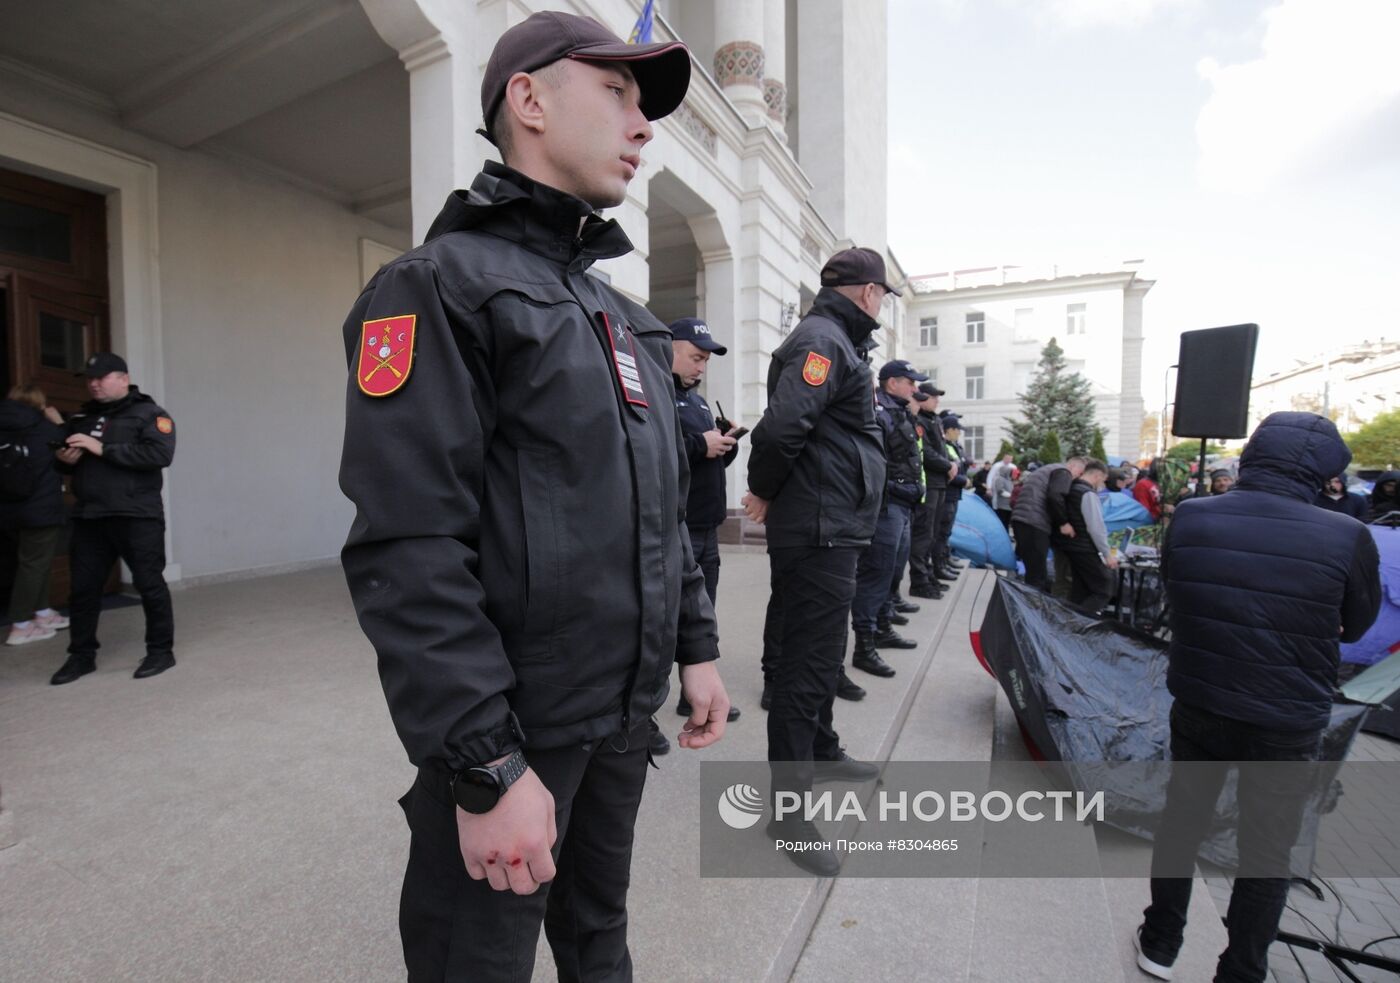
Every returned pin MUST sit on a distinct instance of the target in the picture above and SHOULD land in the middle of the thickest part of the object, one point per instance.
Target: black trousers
(1270, 817)
(1092, 584)
(455, 929)
(942, 552)
(812, 591)
(704, 543)
(925, 524)
(1032, 547)
(95, 546)
(877, 568)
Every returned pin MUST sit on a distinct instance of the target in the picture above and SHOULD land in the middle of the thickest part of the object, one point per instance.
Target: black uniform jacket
(903, 460)
(22, 424)
(499, 562)
(705, 507)
(936, 461)
(818, 455)
(138, 440)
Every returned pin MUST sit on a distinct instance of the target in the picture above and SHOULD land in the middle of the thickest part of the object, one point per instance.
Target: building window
(976, 379)
(976, 328)
(1024, 325)
(1074, 318)
(928, 332)
(1021, 375)
(972, 441)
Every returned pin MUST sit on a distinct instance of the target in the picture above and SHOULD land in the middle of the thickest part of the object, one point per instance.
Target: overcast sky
(1247, 150)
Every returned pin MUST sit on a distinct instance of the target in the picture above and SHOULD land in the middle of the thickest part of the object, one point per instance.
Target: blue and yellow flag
(641, 31)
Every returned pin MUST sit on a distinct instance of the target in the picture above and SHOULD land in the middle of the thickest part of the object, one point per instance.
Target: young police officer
(118, 444)
(526, 586)
(816, 475)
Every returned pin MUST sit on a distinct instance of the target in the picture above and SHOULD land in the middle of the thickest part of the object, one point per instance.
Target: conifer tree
(1056, 401)
(1049, 452)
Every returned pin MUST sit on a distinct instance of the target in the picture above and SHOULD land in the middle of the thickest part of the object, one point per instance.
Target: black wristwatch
(477, 790)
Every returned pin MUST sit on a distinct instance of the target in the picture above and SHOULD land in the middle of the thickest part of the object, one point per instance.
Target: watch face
(476, 790)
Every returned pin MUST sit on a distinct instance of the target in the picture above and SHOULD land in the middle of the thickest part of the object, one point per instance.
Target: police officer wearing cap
(710, 447)
(527, 586)
(927, 520)
(943, 567)
(872, 606)
(816, 477)
(117, 446)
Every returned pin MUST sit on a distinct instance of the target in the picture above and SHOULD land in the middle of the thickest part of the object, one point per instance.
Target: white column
(739, 54)
(775, 62)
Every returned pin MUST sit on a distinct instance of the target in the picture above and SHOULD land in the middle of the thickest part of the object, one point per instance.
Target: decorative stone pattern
(775, 98)
(691, 122)
(739, 63)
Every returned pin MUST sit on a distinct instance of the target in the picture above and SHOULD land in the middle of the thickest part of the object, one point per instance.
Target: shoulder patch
(165, 425)
(386, 354)
(815, 369)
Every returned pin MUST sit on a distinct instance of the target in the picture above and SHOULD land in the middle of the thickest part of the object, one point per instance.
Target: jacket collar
(94, 408)
(891, 402)
(857, 324)
(681, 387)
(503, 202)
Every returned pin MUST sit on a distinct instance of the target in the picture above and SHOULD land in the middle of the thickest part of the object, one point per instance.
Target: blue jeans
(876, 568)
(1256, 903)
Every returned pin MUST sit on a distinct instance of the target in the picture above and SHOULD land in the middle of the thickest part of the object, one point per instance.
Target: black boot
(810, 849)
(898, 619)
(657, 742)
(867, 659)
(903, 606)
(77, 665)
(684, 708)
(848, 690)
(887, 638)
(945, 575)
(933, 591)
(154, 665)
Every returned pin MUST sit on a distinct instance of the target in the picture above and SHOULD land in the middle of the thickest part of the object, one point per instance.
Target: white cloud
(1076, 14)
(1326, 73)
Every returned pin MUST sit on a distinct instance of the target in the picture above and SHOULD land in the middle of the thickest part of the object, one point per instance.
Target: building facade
(1351, 385)
(979, 334)
(238, 170)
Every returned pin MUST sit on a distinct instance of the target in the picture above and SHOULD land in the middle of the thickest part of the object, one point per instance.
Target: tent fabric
(1379, 686)
(1384, 636)
(979, 537)
(1122, 511)
(1087, 691)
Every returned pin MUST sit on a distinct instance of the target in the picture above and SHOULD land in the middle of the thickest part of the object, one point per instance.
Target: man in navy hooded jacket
(1262, 585)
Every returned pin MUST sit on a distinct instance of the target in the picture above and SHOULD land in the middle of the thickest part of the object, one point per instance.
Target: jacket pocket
(545, 564)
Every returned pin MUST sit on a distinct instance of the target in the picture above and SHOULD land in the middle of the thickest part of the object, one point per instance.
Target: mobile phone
(738, 433)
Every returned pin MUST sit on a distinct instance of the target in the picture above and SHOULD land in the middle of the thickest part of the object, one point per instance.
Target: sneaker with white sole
(32, 632)
(1148, 964)
(55, 621)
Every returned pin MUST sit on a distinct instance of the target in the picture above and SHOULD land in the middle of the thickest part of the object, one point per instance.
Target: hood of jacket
(18, 418)
(545, 220)
(1292, 454)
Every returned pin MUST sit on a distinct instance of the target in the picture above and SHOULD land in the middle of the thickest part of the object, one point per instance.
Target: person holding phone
(710, 446)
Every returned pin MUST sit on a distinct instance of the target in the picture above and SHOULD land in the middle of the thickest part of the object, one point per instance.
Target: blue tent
(1122, 511)
(979, 537)
(1384, 636)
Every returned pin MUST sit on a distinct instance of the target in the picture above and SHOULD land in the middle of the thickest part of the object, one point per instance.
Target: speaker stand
(1202, 488)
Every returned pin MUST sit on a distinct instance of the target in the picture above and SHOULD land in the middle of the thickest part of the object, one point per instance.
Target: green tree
(1191, 451)
(1049, 452)
(1005, 449)
(1097, 449)
(1056, 401)
(1377, 444)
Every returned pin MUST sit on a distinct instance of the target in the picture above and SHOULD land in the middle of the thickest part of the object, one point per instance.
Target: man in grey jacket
(1031, 518)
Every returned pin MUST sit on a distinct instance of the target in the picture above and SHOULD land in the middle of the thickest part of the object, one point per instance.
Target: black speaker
(1212, 381)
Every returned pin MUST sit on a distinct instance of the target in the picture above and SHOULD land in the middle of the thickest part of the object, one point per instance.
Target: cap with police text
(662, 70)
(101, 364)
(930, 389)
(900, 369)
(854, 267)
(697, 332)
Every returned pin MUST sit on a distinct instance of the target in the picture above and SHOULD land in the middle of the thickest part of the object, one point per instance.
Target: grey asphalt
(235, 819)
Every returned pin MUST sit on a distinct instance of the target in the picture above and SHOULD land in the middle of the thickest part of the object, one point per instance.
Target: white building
(204, 187)
(1352, 385)
(979, 334)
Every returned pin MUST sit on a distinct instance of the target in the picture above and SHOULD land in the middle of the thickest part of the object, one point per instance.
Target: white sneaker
(55, 621)
(1147, 964)
(32, 632)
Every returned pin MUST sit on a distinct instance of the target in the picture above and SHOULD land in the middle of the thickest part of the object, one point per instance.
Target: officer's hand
(952, 471)
(69, 455)
(709, 703)
(83, 442)
(754, 507)
(717, 444)
(509, 846)
(1067, 530)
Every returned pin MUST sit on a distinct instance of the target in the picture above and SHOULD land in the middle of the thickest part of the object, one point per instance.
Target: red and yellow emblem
(386, 354)
(814, 370)
(165, 425)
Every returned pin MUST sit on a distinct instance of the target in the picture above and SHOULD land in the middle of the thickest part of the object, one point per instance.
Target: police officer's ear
(528, 94)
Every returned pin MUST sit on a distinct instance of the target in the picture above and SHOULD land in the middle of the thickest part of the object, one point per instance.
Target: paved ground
(235, 819)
